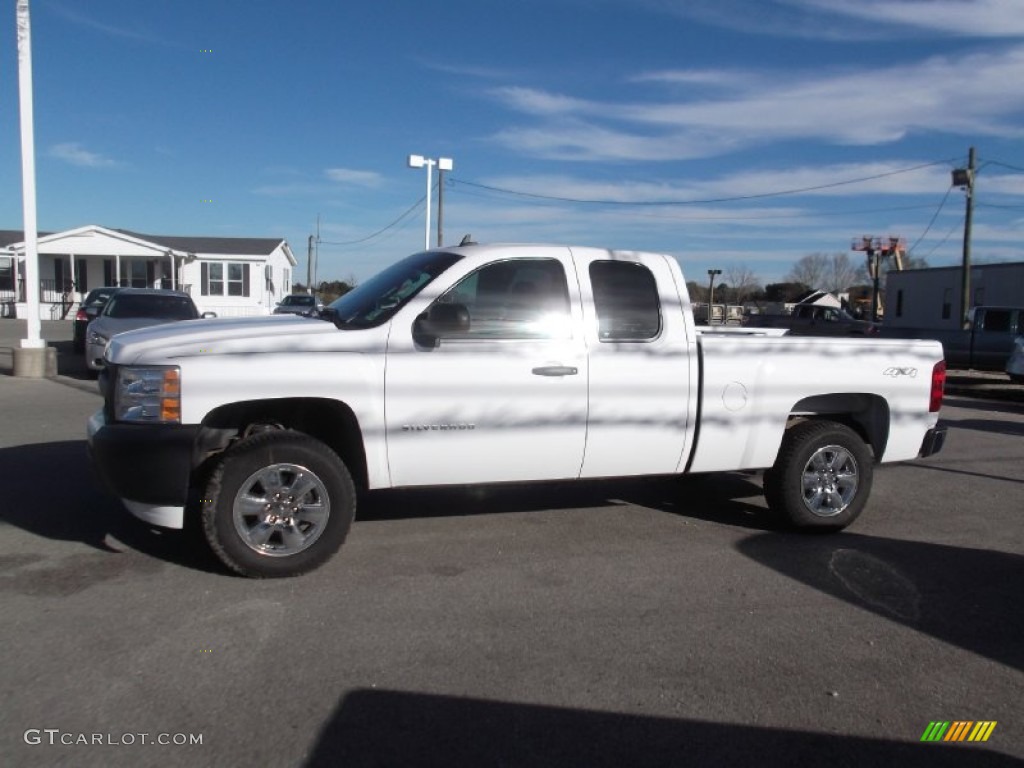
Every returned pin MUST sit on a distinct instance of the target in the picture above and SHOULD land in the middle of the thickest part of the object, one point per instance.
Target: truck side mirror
(439, 321)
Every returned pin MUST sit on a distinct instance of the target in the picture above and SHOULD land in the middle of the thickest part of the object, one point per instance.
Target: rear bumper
(933, 441)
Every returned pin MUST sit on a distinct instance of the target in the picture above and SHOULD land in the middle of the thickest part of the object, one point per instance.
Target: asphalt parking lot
(653, 622)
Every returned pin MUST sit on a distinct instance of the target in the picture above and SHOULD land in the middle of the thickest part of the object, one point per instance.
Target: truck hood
(235, 336)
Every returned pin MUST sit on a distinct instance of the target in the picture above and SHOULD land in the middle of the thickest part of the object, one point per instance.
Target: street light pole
(711, 292)
(443, 164)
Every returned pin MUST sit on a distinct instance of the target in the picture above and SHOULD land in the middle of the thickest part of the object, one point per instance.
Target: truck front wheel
(821, 478)
(277, 503)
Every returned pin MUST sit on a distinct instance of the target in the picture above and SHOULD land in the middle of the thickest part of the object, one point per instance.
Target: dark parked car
(815, 320)
(90, 307)
(299, 304)
(131, 308)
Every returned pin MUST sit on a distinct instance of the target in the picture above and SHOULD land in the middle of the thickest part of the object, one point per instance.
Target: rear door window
(626, 301)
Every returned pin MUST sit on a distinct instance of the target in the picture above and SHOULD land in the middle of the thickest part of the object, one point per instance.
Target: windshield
(129, 305)
(299, 301)
(375, 301)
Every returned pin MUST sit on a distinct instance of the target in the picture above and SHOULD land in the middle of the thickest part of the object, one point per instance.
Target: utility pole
(964, 178)
(309, 267)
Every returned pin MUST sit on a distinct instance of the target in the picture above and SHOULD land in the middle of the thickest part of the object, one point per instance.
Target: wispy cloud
(354, 177)
(467, 70)
(113, 30)
(829, 180)
(296, 183)
(72, 152)
(854, 20)
(971, 94)
(960, 18)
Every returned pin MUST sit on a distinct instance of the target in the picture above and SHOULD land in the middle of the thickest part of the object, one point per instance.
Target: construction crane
(877, 249)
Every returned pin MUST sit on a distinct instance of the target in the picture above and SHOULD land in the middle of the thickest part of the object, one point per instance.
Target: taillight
(80, 315)
(938, 385)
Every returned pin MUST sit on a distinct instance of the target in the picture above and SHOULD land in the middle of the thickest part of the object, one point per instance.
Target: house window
(140, 273)
(236, 284)
(6, 274)
(224, 279)
(947, 303)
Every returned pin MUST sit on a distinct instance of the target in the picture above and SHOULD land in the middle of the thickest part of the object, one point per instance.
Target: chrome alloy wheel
(281, 510)
(830, 480)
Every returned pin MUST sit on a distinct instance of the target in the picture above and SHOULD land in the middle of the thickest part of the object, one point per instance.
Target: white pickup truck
(490, 364)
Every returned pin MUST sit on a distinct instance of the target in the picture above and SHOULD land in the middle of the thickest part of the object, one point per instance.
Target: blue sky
(253, 117)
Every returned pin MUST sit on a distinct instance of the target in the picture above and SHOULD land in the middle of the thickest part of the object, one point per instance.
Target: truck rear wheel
(277, 503)
(822, 476)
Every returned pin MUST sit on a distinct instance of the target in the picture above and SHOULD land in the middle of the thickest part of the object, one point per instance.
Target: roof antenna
(467, 240)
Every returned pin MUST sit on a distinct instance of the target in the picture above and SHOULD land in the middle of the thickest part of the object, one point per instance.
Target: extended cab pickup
(486, 364)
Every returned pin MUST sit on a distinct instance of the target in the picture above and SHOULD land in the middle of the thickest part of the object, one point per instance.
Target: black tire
(822, 476)
(256, 522)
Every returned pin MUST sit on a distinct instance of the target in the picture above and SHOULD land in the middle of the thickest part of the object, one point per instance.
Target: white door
(502, 396)
(640, 365)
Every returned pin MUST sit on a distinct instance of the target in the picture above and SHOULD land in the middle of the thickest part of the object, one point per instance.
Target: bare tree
(841, 273)
(742, 280)
(830, 272)
(810, 270)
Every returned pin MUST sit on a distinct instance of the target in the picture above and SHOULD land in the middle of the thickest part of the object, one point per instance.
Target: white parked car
(130, 308)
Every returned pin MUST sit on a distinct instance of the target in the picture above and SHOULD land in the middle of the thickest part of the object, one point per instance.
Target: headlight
(150, 394)
(97, 338)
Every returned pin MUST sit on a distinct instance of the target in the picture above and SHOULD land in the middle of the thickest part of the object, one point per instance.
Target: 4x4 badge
(895, 372)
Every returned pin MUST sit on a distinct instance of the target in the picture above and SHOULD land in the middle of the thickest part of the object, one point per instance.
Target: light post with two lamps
(443, 164)
(711, 293)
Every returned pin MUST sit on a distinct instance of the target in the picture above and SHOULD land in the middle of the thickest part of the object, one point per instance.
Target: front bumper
(147, 464)
(933, 441)
(94, 355)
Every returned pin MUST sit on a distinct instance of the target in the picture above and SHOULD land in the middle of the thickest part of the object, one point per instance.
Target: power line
(776, 215)
(1004, 207)
(949, 234)
(1004, 165)
(381, 231)
(930, 223)
(737, 198)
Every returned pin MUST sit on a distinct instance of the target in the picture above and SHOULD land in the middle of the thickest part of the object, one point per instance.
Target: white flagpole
(33, 339)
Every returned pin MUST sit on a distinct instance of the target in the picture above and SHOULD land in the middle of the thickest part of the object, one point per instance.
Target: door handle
(555, 370)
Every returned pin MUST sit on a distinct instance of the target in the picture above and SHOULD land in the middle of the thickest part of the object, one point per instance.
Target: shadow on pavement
(715, 498)
(395, 728)
(75, 507)
(969, 598)
(52, 492)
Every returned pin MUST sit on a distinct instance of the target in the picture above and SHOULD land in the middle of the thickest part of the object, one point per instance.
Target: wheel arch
(866, 414)
(332, 422)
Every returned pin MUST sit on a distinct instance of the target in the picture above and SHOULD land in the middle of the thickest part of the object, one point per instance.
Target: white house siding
(75, 261)
(930, 298)
(238, 285)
